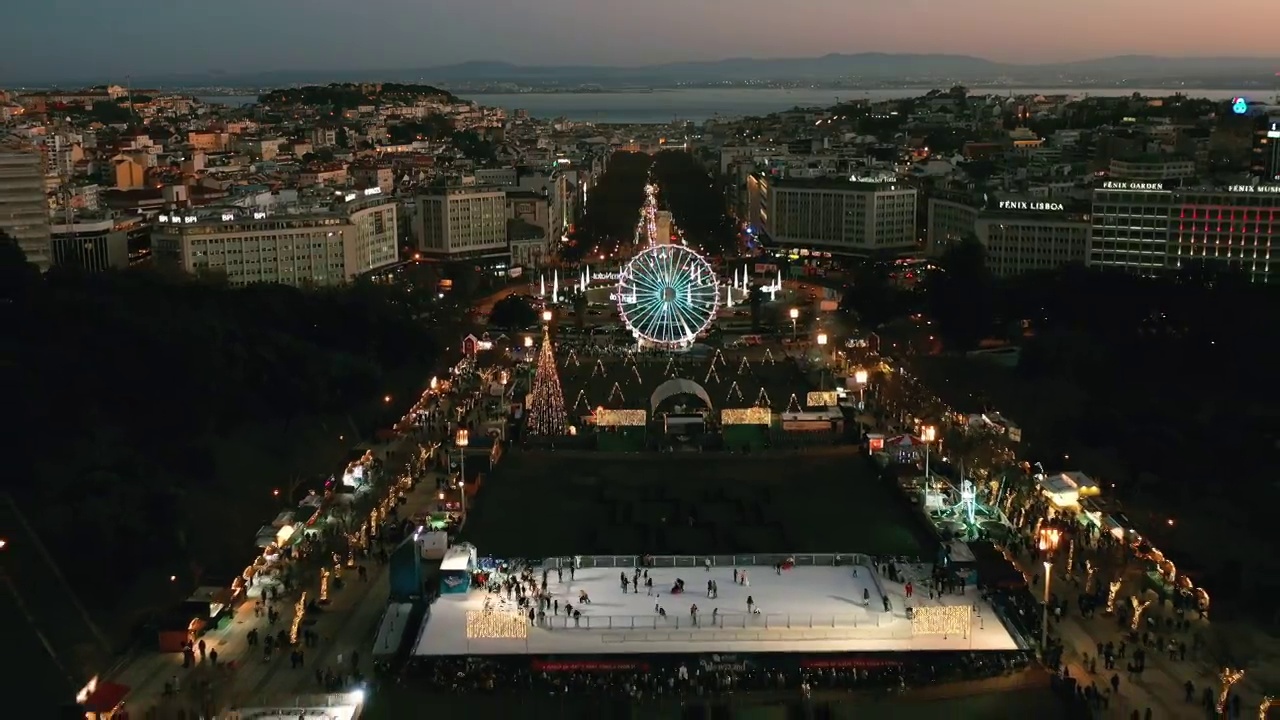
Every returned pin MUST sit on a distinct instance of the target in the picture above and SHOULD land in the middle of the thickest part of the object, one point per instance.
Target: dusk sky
(91, 39)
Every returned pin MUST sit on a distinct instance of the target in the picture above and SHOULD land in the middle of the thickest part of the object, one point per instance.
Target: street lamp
(928, 434)
(528, 341)
(1044, 623)
(462, 439)
(546, 316)
(860, 377)
(795, 315)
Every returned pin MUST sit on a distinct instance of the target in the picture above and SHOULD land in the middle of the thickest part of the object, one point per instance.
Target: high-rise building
(462, 222)
(1265, 162)
(24, 214)
(835, 215)
(1153, 228)
(327, 245)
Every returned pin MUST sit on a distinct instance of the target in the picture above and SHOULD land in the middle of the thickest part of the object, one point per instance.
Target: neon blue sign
(1239, 106)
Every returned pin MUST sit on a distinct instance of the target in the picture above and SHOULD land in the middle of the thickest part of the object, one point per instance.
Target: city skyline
(237, 37)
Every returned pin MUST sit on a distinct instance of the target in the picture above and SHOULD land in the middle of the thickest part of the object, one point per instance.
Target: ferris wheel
(667, 295)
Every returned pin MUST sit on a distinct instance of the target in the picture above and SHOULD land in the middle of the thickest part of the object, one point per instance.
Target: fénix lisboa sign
(1030, 205)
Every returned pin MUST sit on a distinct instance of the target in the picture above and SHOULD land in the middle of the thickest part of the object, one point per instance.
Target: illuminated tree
(547, 416)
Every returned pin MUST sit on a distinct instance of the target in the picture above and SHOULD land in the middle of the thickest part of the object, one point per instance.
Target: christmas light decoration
(718, 357)
(1228, 678)
(629, 359)
(668, 294)
(768, 356)
(573, 356)
(598, 369)
(942, 620)
(1264, 708)
(496, 625)
(1071, 557)
(615, 394)
(547, 416)
(582, 403)
(746, 416)
(636, 372)
(794, 405)
(821, 398)
(1088, 575)
(734, 390)
(1139, 607)
(620, 418)
(299, 611)
(744, 367)
(711, 374)
(1112, 589)
(671, 366)
(324, 585)
(762, 400)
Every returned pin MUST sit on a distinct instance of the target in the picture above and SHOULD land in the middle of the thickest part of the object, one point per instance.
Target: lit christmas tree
(547, 416)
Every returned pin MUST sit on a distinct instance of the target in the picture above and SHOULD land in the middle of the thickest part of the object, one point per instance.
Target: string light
(1139, 607)
(1265, 706)
(324, 585)
(821, 398)
(1088, 575)
(1228, 677)
(299, 611)
(620, 418)
(496, 625)
(1071, 556)
(746, 416)
(1112, 590)
(547, 416)
(942, 620)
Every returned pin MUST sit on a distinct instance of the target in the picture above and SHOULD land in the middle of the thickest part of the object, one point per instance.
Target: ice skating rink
(809, 609)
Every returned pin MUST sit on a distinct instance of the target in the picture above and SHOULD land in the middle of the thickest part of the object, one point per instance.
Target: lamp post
(822, 350)
(1044, 622)
(546, 316)
(462, 439)
(795, 315)
(927, 433)
(860, 377)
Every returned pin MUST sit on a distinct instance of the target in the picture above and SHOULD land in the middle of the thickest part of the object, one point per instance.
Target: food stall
(1064, 490)
(100, 700)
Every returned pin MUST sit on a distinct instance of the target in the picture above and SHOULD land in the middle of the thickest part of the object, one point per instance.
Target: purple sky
(80, 38)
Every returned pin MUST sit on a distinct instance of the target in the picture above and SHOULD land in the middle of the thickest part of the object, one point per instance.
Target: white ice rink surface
(813, 609)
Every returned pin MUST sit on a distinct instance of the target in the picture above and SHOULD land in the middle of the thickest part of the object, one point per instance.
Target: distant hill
(858, 67)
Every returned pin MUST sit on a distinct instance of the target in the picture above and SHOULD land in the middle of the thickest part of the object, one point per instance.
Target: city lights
(942, 620)
(496, 625)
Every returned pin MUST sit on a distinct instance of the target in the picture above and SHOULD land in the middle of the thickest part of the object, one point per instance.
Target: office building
(1154, 228)
(96, 245)
(301, 246)
(835, 215)
(1265, 161)
(462, 222)
(1019, 235)
(24, 214)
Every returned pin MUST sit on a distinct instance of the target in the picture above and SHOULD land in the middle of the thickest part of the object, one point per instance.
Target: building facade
(92, 246)
(1152, 168)
(1019, 235)
(23, 210)
(833, 215)
(1155, 228)
(462, 222)
(320, 246)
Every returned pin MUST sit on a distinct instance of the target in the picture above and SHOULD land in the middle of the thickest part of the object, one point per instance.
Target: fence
(697, 561)
(870, 621)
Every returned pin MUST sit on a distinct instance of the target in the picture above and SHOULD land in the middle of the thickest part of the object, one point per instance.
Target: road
(242, 677)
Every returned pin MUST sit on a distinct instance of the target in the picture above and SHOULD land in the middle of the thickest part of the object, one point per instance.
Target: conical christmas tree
(547, 416)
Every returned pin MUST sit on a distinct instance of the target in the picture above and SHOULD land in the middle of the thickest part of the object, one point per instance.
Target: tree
(580, 307)
(961, 295)
(513, 312)
(547, 415)
(343, 137)
(756, 298)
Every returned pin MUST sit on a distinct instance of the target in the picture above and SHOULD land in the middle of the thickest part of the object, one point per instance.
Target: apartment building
(833, 215)
(23, 209)
(324, 245)
(1151, 168)
(1154, 228)
(462, 222)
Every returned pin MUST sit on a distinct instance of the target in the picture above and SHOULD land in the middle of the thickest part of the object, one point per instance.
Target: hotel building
(835, 215)
(324, 245)
(1154, 228)
(1020, 235)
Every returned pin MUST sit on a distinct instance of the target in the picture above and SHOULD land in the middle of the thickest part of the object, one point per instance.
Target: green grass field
(538, 504)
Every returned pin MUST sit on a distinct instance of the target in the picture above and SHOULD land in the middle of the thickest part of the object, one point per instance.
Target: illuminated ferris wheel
(667, 295)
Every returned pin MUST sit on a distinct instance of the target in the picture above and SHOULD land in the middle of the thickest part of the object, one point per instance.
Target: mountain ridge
(845, 67)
